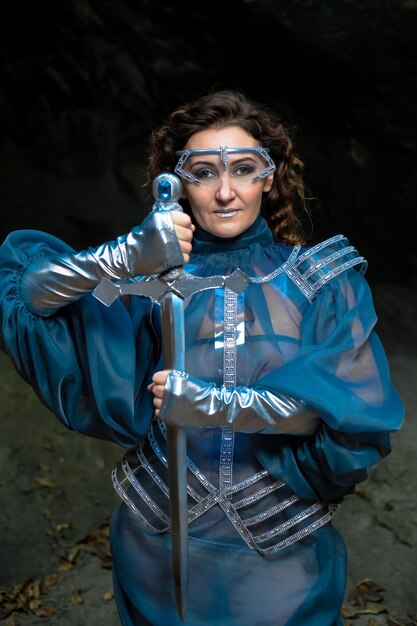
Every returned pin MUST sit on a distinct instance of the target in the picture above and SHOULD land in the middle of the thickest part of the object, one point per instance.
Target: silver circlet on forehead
(223, 152)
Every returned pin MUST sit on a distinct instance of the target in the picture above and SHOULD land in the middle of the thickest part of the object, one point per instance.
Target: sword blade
(177, 480)
(173, 349)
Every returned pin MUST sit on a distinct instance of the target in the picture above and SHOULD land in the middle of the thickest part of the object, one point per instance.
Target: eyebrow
(245, 158)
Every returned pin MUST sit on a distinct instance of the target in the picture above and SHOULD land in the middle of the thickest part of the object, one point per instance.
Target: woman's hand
(157, 387)
(184, 230)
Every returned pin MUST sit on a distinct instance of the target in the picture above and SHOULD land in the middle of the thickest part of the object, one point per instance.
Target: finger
(158, 391)
(159, 378)
(183, 234)
(181, 219)
(157, 403)
(186, 247)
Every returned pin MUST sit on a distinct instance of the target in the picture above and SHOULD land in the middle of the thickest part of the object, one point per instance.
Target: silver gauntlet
(189, 401)
(52, 282)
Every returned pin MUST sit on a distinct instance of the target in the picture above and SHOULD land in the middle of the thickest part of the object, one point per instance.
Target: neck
(259, 233)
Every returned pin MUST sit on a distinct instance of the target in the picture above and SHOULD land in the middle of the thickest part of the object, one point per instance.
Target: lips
(226, 213)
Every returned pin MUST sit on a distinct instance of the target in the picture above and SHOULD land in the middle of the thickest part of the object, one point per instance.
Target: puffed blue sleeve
(83, 362)
(341, 372)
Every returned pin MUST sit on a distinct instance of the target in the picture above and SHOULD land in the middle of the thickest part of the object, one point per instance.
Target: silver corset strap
(229, 322)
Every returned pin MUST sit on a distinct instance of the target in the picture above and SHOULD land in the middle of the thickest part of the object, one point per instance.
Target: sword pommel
(167, 190)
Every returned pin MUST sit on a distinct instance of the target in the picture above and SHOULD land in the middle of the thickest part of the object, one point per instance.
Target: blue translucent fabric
(90, 365)
(231, 586)
(82, 362)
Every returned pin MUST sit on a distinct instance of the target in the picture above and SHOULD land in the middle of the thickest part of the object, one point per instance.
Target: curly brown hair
(229, 107)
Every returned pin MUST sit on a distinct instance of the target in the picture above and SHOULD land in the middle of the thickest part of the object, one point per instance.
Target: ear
(184, 195)
(268, 182)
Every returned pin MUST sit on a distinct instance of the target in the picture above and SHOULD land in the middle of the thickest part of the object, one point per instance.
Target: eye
(244, 170)
(204, 173)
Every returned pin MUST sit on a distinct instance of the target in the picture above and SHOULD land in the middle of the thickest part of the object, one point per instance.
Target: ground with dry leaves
(56, 500)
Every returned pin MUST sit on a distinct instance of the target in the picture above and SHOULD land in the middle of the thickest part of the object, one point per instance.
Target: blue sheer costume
(263, 550)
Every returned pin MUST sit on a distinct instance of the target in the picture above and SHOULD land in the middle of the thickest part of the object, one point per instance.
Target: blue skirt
(229, 585)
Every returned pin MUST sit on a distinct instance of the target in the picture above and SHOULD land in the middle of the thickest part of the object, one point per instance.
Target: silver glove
(54, 281)
(189, 401)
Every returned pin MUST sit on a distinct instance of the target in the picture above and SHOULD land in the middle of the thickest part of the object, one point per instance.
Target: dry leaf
(34, 604)
(11, 621)
(403, 539)
(373, 622)
(63, 526)
(48, 582)
(362, 492)
(76, 597)
(43, 481)
(372, 609)
(26, 596)
(20, 587)
(35, 588)
(382, 521)
(393, 622)
(109, 595)
(6, 609)
(73, 554)
(44, 611)
(92, 539)
(65, 566)
(365, 591)
(47, 514)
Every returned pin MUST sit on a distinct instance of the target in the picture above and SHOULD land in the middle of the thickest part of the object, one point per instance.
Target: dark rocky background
(85, 81)
(83, 84)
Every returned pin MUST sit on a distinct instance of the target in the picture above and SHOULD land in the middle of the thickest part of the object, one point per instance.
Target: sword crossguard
(175, 280)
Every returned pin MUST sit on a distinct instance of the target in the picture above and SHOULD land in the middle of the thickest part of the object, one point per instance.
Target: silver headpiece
(223, 153)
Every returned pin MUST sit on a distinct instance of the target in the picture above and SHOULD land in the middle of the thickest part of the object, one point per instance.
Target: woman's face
(228, 201)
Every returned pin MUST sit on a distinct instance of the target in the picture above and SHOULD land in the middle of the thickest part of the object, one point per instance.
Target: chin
(227, 231)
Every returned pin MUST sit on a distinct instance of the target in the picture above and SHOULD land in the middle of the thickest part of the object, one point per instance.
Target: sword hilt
(167, 190)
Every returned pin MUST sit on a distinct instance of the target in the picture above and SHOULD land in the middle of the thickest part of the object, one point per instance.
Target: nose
(225, 191)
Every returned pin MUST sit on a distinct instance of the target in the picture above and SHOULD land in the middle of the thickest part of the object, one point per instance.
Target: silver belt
(282, 522)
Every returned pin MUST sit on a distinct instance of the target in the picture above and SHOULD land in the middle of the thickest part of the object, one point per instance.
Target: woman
(286, 394)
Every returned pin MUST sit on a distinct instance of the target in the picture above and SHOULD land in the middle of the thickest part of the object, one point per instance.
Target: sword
(169, 289)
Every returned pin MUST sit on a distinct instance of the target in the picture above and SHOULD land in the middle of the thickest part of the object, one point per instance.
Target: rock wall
(85, 81)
